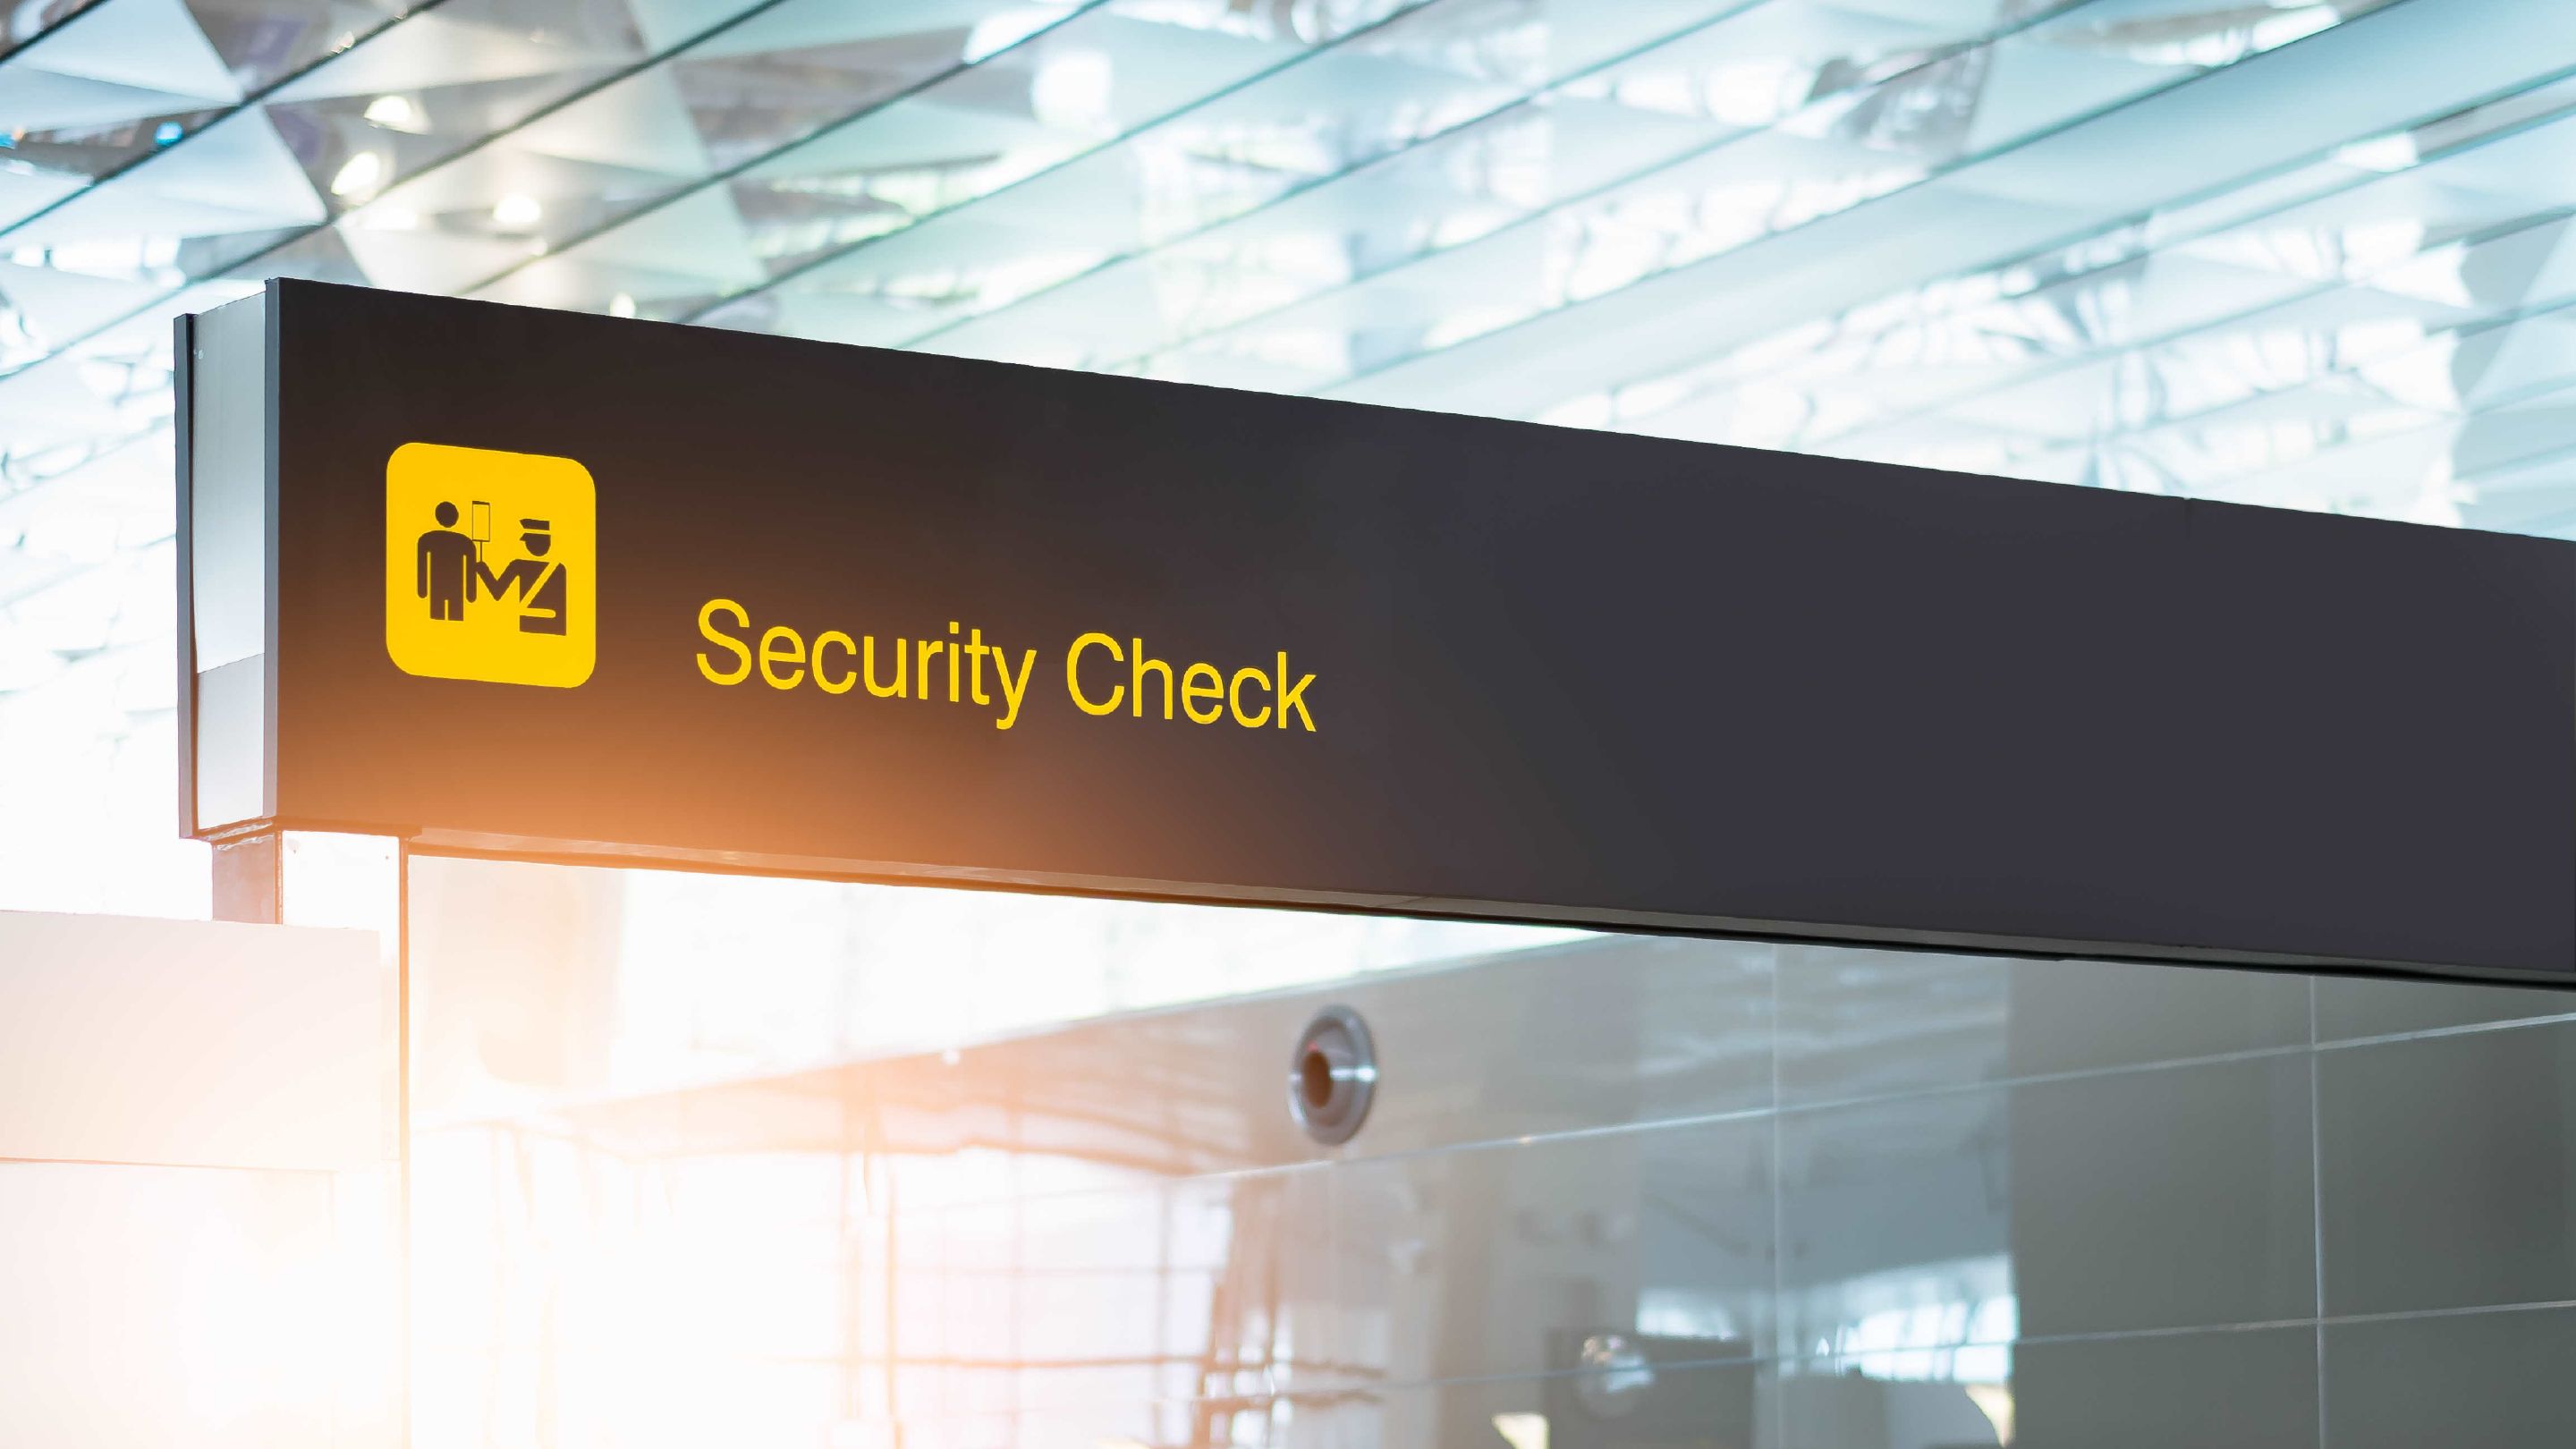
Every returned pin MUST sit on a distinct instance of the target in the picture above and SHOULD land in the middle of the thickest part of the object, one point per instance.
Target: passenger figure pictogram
(447, 561)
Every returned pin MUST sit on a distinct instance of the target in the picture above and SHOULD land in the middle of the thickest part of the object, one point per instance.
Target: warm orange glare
(704, 1159)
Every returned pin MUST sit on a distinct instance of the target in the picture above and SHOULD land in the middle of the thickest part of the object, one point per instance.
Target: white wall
(197, 1185)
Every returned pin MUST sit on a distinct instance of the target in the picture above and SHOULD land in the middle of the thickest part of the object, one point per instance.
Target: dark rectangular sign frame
(1548, 674)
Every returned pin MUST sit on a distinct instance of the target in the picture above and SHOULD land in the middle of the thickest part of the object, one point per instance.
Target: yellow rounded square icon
(491, 565)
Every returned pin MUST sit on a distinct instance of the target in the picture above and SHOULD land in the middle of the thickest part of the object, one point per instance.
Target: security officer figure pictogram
(540, 582)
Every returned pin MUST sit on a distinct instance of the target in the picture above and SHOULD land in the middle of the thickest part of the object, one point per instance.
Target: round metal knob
(1332, 1075)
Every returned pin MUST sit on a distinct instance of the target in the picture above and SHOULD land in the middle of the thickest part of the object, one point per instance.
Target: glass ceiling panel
(20, 24)
(1371, 94)
(92, 282)
(428, 206)
(2368, 454)
(113, 85)
(1040, 121)
(602, 181)
(2154, 149)
(630, 147)
(1924, 119)
(87, 89)
(1391, 199)
(423, 214)
(1366, 129)
(2427, 231)
(446, 92)
(2412, 277)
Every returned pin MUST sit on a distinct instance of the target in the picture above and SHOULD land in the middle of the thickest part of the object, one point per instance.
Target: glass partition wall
(704, 1159)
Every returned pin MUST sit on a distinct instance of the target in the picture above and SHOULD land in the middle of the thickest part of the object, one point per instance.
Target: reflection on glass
(731, 1159)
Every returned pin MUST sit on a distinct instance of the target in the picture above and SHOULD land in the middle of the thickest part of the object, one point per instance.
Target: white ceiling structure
(2311, 253)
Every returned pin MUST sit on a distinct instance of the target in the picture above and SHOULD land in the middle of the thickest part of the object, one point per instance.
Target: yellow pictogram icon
(491, 565)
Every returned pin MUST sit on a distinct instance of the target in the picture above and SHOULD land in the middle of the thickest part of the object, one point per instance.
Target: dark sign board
(550, 584)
